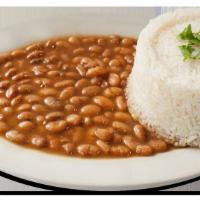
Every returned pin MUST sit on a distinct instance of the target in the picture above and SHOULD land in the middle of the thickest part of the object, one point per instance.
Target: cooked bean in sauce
(66, 96)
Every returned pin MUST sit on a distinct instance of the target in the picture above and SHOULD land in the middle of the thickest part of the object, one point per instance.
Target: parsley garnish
(190, 49)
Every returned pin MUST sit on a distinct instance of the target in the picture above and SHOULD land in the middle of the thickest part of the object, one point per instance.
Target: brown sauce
(66, 96)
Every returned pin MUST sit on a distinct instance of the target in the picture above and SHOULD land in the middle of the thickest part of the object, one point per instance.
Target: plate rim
(51, 188)
(90, 186)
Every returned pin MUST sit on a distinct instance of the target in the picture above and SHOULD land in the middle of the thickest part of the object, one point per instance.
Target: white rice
(163, 91)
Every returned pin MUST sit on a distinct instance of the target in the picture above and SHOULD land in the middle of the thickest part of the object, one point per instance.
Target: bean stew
(66, 96)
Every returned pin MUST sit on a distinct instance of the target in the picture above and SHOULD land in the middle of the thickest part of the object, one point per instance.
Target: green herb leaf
(186, 34)
(186, 51)
(193, 40)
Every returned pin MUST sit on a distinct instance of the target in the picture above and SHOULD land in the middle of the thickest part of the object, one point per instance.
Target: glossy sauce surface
(66, 96)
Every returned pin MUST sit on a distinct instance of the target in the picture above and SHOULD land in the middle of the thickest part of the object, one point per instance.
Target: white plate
(91, 174)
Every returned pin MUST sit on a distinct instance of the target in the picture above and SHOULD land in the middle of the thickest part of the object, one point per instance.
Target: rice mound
(163, 90)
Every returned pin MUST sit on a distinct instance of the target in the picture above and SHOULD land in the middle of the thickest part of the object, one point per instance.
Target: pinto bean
(18, 53)
(121, 127)
(70, 108)
(90, 110)
(66, 93)
(25, 88)
(17, 100)
(39, 141)
(35, 54)
(32, 98)
(114, 79)
(122, 116)
(95, 49)
(103, 146)
(82, 83)
(96, 81)
(8, 65)
(11, 92)
(21, 76)
(69, 148)
(114, 63)
(104, 102)
(73, 40)
(78, 51)
(88, 40)
(104, 134)
(96, 71)
(128, 42)
(125, 51)
(4, 102)
(35, 46)
(81, 70)
(129, 142)
(54, 116)
(24, 81)
(50, 44)
(7, 110)
(39, 70)
(101, 120)
(121, 103)
(107, 53)
(15, 136)
(36, 61)
(62, 44)
(11, 72)
(91, 90)
(120, 150)
(139, 132)
(26, 115)
(24, 107)
(113, 91)
(79, 100)
(65, 83)
(48, 91)
(73, 119)
(54, 73)
(52, 102)
(56, 126)
(26, 125)
(144, 150)
(88, 150)
(158, 145)
(4, 84)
